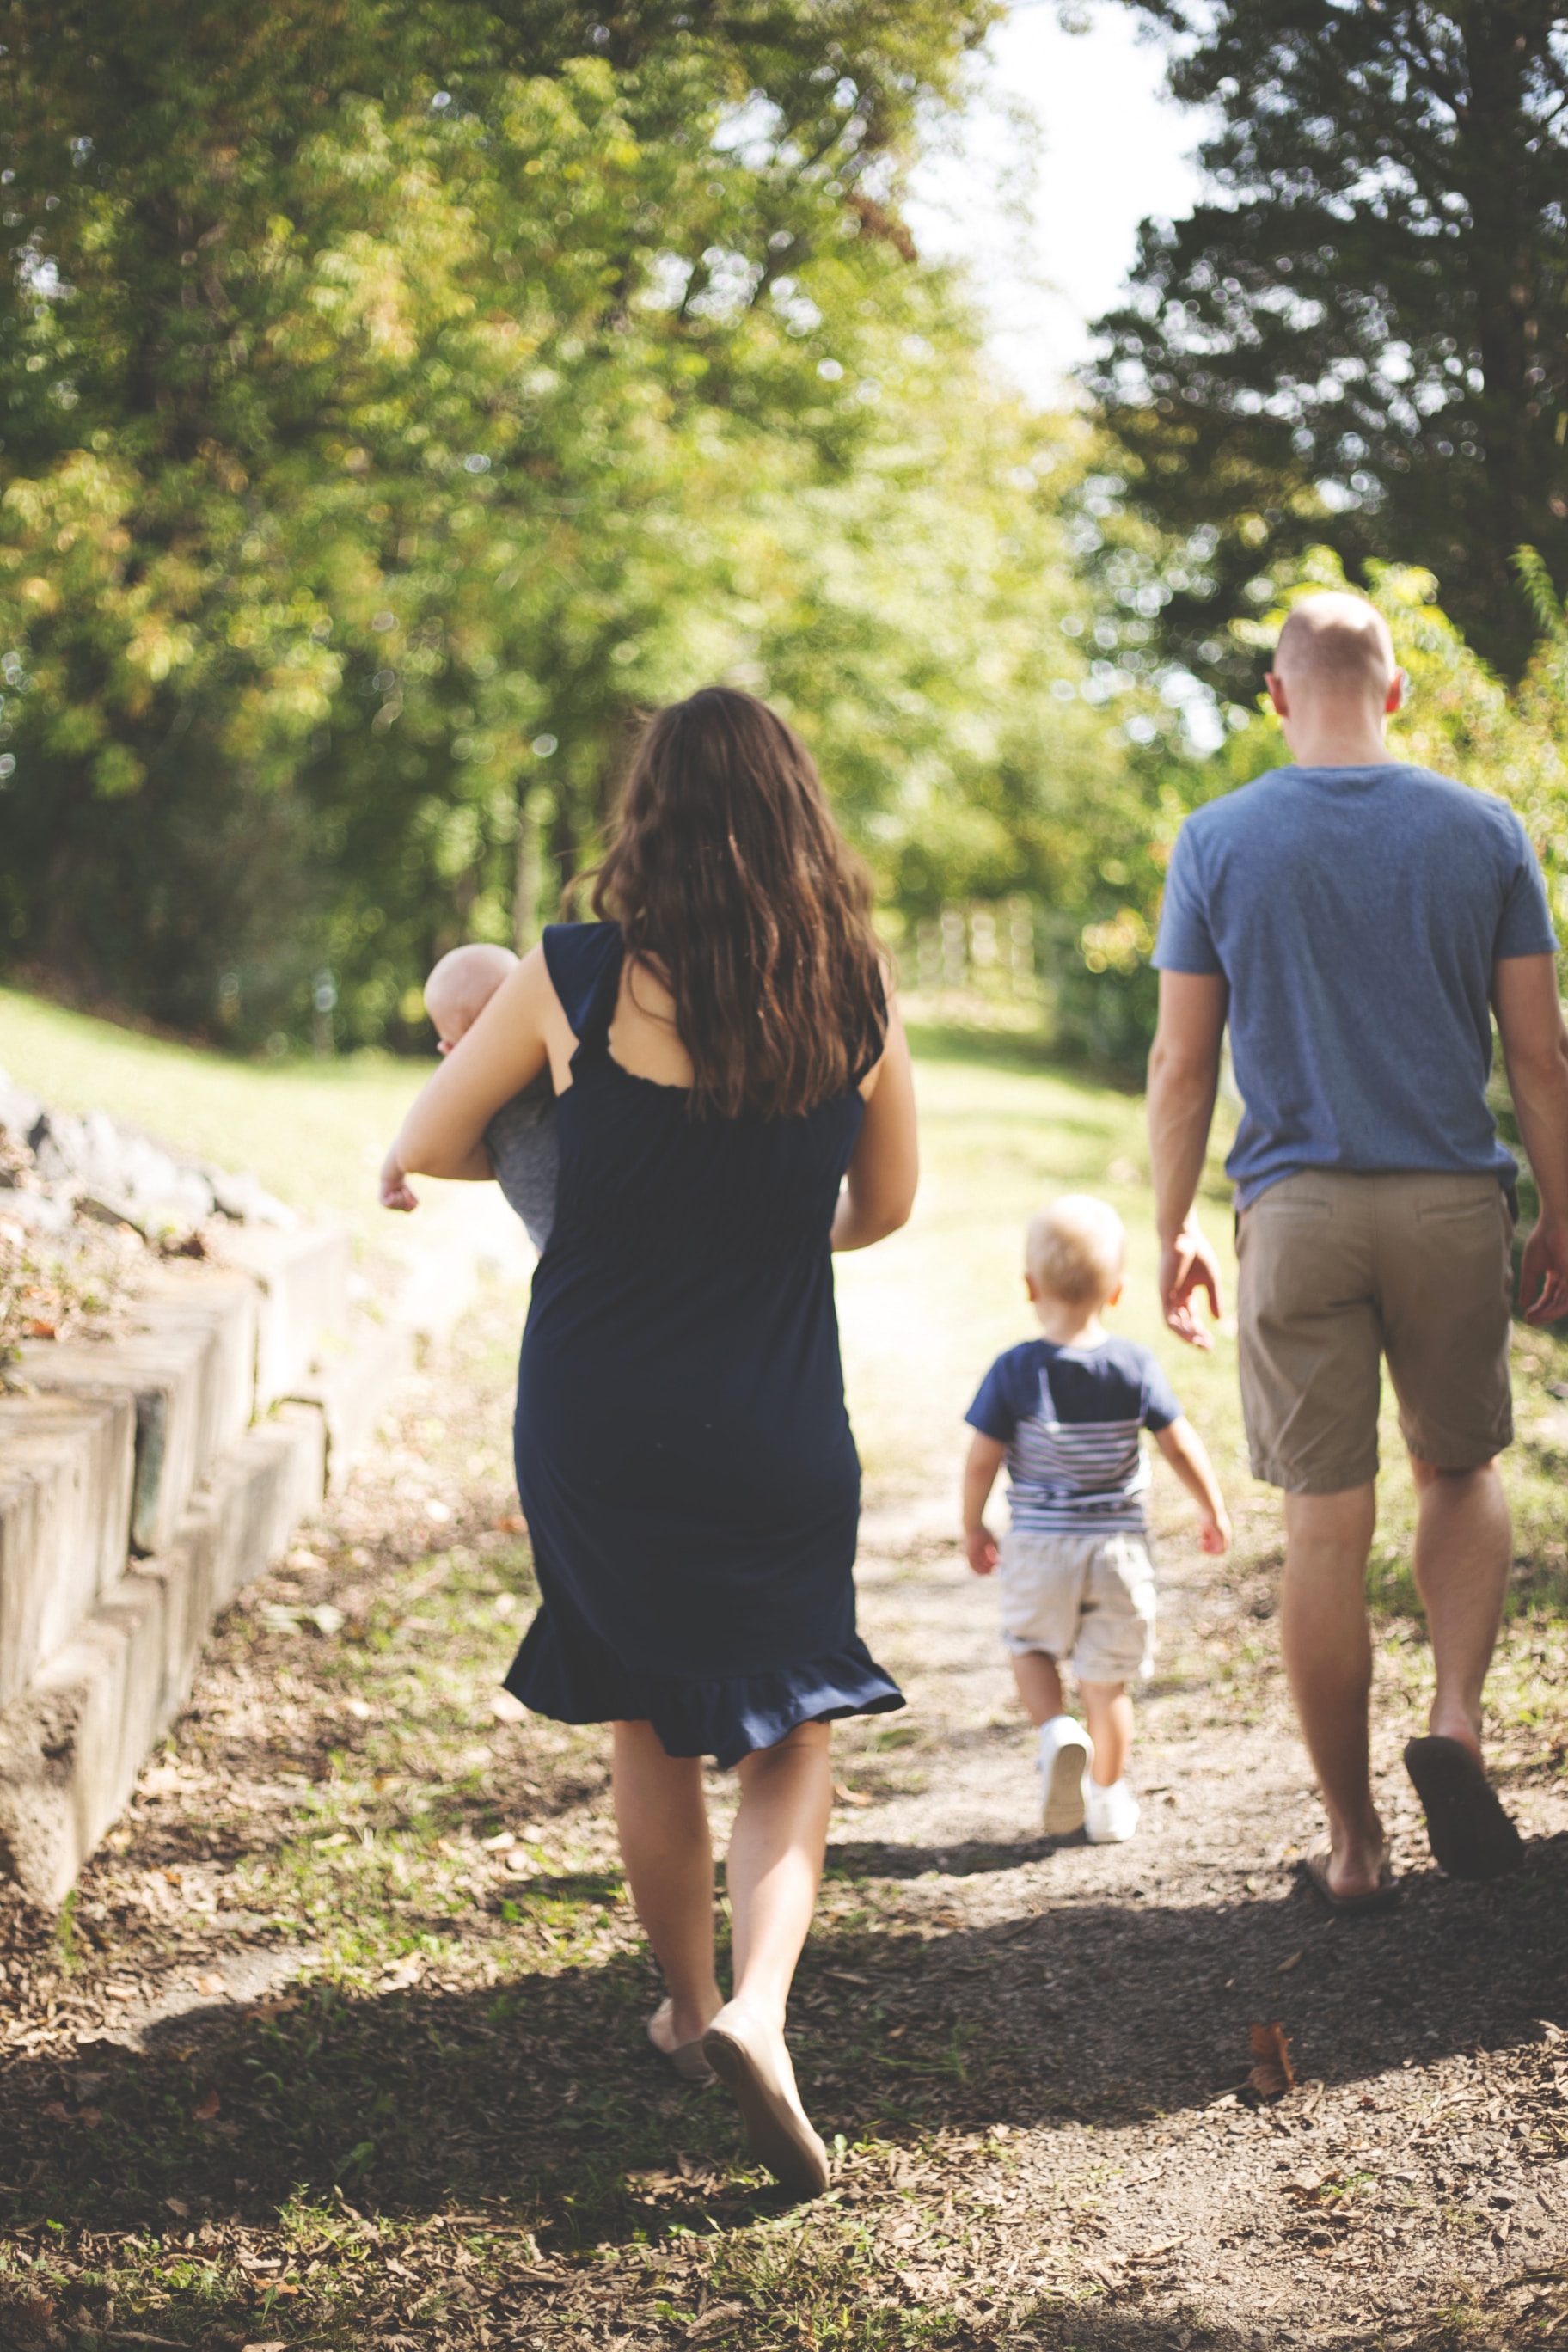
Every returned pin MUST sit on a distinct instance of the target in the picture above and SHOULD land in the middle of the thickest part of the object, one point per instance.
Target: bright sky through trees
(1112, 150)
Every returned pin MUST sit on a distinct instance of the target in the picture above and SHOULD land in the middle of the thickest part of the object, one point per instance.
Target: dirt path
(339, 2043)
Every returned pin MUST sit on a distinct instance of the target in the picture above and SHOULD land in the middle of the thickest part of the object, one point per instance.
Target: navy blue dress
(684, 1456)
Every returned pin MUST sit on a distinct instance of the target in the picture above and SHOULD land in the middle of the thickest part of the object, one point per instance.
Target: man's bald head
(1336, 645)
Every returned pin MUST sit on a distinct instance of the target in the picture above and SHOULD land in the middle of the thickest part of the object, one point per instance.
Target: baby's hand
(980, 1547)
(396, 1192)
(1214, 1533)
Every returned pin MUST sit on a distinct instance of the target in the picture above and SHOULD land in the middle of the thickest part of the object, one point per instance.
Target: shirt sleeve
(1525, 927)
(1160, 1406)
(994, 1412)
(1186, 941)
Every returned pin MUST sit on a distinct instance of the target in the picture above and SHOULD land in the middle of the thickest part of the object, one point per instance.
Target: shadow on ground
(539, 2092)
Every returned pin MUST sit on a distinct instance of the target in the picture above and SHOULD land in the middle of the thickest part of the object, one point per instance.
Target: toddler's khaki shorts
(1338, 1269)
(1087, 1598)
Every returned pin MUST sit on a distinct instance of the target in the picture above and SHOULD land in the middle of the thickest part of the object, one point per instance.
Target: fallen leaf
(211, 1983)
(206, 2107)
(1285, 1966)
(502, 1842)
(273, 2343)
(266, 2010)
(38, 1329)
(1272, 2073)
(178, 2206)
(512, 1524)
(851, 1796)
(58, 2114)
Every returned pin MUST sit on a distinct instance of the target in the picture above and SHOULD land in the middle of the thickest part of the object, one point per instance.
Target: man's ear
(1275, 685)
(1394, 698)
(1032, 1287)
(1113, 1298)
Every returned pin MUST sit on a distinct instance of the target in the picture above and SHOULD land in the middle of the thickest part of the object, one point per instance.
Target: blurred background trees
(394, 399)
(1362, 342)
(397, 398)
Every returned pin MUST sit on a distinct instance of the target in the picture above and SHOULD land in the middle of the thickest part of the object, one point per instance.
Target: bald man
(1357, 922)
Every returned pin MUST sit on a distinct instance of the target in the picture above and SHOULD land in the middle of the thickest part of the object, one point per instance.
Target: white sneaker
(1110, 1815)
(1063, 1755)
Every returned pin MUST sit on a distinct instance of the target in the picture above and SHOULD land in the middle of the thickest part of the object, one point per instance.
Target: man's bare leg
(1328, 1655)
(1464, 1546)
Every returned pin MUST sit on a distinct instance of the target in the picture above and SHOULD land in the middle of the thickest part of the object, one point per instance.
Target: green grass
(314, 1132)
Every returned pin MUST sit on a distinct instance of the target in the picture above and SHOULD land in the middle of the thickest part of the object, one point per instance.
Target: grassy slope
(314, 1132)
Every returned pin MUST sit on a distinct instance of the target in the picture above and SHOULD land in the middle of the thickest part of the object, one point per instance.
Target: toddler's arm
(986, 1455)
(1184, 1450)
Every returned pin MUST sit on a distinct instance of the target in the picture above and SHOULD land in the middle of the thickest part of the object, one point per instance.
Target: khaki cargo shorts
(1338, 1270)
(1089, 1599)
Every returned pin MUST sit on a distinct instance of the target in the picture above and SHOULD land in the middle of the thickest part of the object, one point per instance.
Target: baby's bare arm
(1185, 1451)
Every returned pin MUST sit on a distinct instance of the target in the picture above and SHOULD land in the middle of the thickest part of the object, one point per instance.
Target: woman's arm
(879, 1191)
(443, 1134)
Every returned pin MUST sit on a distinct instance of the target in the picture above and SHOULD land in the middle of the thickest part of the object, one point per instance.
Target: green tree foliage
(394, 398)
(1362, 340)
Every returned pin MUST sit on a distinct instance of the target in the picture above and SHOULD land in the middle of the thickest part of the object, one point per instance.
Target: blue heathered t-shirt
(1356, 914)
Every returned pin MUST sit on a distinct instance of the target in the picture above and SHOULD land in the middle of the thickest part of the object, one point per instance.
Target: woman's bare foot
(746, 2051)
(684, 2052)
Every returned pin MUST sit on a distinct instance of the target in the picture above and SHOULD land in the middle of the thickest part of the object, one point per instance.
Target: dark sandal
(1471, 1835)
(1314, 1868)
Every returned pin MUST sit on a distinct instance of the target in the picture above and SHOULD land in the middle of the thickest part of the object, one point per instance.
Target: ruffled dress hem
(725, 1717)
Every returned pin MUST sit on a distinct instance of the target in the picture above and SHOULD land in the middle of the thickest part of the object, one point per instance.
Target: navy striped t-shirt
(1071, 1420)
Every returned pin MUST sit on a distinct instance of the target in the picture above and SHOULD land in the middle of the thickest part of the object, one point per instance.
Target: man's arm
(1184, 1078)
(1535, 1052)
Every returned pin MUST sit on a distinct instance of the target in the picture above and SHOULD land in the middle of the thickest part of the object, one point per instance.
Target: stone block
(189, 1370)
(67, 1466)
(73, 1741)
(354, 1382)
(259, 1492)
(303, 1281)
(72, 1744)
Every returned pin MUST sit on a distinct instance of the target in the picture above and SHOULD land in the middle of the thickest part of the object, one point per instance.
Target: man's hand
(396, 1192)
(980, 1545)
(1188, 1266)
(1543, 1275)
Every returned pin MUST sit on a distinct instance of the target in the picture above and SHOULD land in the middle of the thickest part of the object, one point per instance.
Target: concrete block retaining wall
(143, 1483)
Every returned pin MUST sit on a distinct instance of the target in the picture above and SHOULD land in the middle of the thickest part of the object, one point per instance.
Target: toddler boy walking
(1066, 1412)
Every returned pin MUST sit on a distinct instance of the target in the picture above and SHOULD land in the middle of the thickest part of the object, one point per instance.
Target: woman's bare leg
(662, 1817)
(776, 1853)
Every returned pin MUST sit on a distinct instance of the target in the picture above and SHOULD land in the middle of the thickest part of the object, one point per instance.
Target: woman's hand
(396, 1192)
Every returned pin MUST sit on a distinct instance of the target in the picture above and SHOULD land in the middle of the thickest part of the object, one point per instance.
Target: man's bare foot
(1356, 1864)
(1447, 1722)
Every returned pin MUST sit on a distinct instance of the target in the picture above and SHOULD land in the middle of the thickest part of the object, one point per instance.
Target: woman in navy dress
(735, 1103)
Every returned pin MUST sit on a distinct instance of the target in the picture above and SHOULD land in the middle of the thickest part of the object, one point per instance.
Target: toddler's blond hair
(1074, 1250)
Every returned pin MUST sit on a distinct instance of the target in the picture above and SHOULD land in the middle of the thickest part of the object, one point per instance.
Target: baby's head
(1073, 1254)
(461, 985)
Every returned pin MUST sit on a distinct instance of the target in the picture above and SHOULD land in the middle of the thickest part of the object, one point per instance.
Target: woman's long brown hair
(729, 876)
